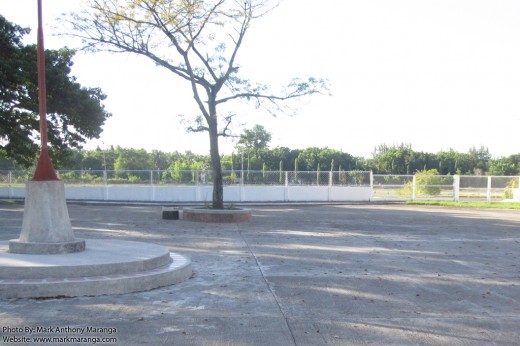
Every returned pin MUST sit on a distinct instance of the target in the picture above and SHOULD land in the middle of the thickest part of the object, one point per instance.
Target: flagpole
(44, 168)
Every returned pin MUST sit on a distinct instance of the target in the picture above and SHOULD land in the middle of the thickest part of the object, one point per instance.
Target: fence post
(105, 187)
(488, 192)
(286, 188)
(152, 185)
(414, 187)
(9, 183)
(371, 184)
(456, 187)
(330, 186)
(242, 188)
(198, 192)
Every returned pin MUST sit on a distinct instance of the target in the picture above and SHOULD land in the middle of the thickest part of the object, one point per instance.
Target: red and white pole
(44, 169)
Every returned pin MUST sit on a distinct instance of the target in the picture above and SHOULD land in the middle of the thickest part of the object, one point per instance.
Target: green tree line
(396, 159)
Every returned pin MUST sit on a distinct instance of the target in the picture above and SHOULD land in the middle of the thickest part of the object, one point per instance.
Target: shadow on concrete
(309, 275)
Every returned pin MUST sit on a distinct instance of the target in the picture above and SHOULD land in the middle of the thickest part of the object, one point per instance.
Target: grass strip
(496, 205)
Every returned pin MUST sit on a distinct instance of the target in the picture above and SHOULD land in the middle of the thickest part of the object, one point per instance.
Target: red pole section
(44, 168)
(42, 87)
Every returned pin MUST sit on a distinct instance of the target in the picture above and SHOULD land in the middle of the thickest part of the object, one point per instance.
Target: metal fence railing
(412, 187)
(391, 187)
(444, 187)
(383, 186)
(488, 188)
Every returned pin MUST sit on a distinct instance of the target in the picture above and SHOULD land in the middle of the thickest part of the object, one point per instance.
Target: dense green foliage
(402, 159)
(254, 139)
(393, 160)
(74, 113)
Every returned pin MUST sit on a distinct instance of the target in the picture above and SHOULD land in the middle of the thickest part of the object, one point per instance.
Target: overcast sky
(437, 74)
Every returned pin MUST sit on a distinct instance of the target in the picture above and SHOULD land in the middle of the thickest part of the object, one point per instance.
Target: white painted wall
(516, 195)
(246, 193)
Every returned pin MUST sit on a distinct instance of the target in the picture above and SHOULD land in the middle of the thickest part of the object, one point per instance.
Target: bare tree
(198, 41)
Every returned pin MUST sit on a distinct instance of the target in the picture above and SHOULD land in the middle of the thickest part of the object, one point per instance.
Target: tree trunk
(218, 189)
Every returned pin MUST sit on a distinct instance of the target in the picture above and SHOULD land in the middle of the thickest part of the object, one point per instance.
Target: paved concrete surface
(305, 275)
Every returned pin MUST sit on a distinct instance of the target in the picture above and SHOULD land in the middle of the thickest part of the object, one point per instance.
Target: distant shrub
(427, 183)
(513, 184)
(133, 178)
(80, 177)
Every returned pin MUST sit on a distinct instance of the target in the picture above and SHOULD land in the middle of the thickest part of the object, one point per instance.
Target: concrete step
(101, 257)
(106, 267)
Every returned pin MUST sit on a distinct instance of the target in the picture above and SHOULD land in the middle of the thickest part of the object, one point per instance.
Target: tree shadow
(358, 273)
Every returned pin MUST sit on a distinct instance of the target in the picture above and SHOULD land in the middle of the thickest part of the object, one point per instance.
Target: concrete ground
(299, 275)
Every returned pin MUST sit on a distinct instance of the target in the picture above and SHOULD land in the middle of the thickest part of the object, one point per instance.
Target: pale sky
(437, 74)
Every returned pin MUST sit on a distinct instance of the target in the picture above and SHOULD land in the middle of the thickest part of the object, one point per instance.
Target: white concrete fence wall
(295, 187)
(282, 187)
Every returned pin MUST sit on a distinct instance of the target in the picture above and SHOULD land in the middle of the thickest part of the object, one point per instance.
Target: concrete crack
(269, 287)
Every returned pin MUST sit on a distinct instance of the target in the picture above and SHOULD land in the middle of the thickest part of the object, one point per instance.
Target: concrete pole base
(46, 227)
(107, 266)
(16, 246)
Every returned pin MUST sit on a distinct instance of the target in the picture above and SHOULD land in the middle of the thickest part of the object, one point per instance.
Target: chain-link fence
(18, 177)
(426, 186)
(82, 177)
(5, 178)
(487, 188)
(443, 187)
(351, 178)
(261, 177)
(390, 187)
(205, 177)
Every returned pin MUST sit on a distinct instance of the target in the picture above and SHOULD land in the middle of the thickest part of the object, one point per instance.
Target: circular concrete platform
(105, 267)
